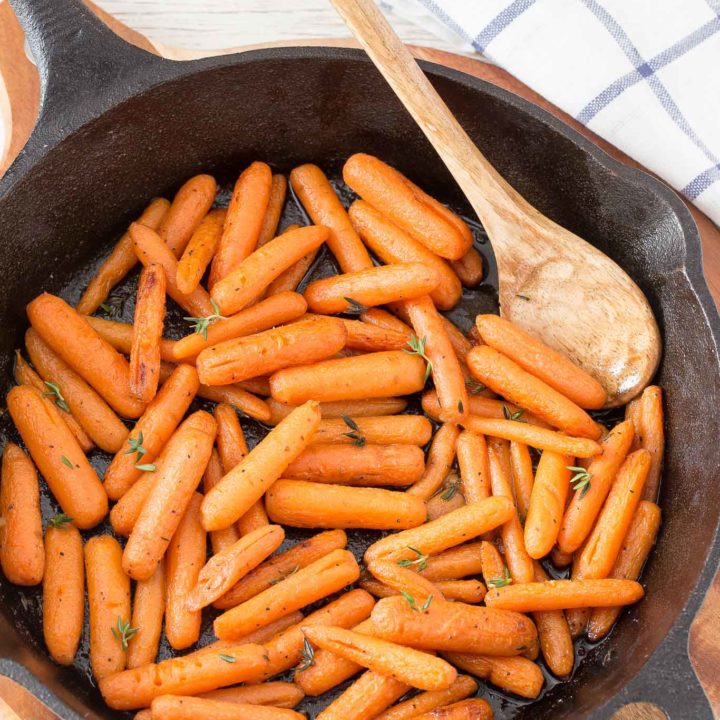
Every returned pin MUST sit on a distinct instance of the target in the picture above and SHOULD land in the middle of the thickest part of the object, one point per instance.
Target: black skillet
(118, 125)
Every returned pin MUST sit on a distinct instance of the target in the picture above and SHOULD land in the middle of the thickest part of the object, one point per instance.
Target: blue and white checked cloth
(643, 74)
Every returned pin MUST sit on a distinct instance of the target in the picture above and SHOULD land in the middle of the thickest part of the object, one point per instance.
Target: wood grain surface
(18, 106)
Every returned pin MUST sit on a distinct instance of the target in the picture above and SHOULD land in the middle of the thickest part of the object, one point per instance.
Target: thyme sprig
(420, 561)
(355, 434)
(498, 582)
(580, 479)
(200, 325)
(57, 396)
(417, 347)
(123, 632)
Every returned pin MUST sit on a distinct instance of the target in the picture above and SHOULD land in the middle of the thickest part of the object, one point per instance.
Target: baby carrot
(469, 268)
(289, 279)
(324, 208)
(472, 455)
(267, 313)
(298, 343)
(342, 408)
(508, 379)
(483, 407)
(234, 395)
(452, 564)
(200, 250)
(251, 276)
(120, 336)
(176, 475)
(177, 707)
(467, 591)
(475, 709)
(546, 364)
(371, 338)
(516, 675)
(248, 481)
(63, 606)
(384, 430)
(427, 701)
(560, 559)
(108, 590)
(277, 694)
(375, 375)
(636, 547)
(265, 634)
(282, 565)
(189, 206)
(184, 559)
(523, 477)
(652, 436)
(396, 465)
(387, 321)
(219, 539)
(95, 416)
(368, 696)
(403, 580)
(127, 509)
(22, 554)
(449, 497)
(318, 505)
(95, 360)
(393, 245)
(276, 201)
(244, 220)
(60, 460)
(390, 193)
(152, 431)
(147, 616)
(439, 461)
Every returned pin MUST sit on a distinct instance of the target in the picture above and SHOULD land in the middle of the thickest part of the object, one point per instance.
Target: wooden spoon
(553, 283)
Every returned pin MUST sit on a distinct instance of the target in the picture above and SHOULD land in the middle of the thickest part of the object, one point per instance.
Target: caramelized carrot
(448, 497)
(147, 616)
(493, 565)
(469, 268)
(234, 395)
(277, 694)
(427, 701)
(516, 675)
(652, 436)
(176, 707)
(200, 250)
(476, 709)
(289, 279)
(371, 338)
(120, 336)
(387, 321)
(472, 455)
(219, 539)
(455, 563)
(523, 477)
(368, 696)
(126, 511)
(439, 461)
(276, 201)
(384, 430)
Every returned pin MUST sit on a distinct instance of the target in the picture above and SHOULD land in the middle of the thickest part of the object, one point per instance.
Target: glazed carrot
(393, 245)
(449, 497)
(546, 364)
(262, 635)
(516, 675)
(219, 539)
(390, 193)
(178, 471)
(375, 375)
(126, 511)
(475, 709)
(324, 208)
(533, 436)
(189, 206)
(176, 707)
(276, 201)
(319, 505)
(559, 558)
(191, 674)
(556, 641)
(452, 529)
(469, 268)
(152, 430)
(63, 605)
(652, 436)
(439, 461)
(95, 416)
(200, 250)
(454, 627)
(225, 568)
(547, 503)
(636, 547)
(298, 343)
(248, 481)
(120, 261)
(266, 314)
(120, 336)
(22, 554)
(523, 477)
(401, 579)
(472, 455)
(147, 616)
(427, 701)
(277, 694)
(386, 321)
(150, 249)
(493, 565)
(384, 430)
(396, 465)
(467, 591)
(96, 361)
(251, 276)
(342, 408)
(184, 560)
(599, 553)
(289, 279)
(368, 696)
(412, 667)
(280, 566)
(508, 379)
(452, 564)
(60, 460)
(25, 375)
(564, 594)
(586, 503)
(234, 395)
(244, 221)
(257, 386)
(108, 589)
(371, 338)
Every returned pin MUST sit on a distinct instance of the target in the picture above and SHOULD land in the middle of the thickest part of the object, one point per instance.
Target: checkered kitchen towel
(643, 74)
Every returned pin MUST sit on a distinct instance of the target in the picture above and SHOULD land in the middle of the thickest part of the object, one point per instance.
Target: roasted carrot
(475, 709)
(342, 408)
(368, 696)
(177, 707)
(177, 473)
(559, 558)
(152, 431)
(402, 579)
(652, 437)
(550, 366)
(516, 675)
(371, 338)
(276, 201)
(319, 505)
(22, 554)
(384, 430)
(289, 279)
(244, 221)
(251, 276)
(120, 261)
(219, 539)
(126, 511)
(453, 627)
(469, 268)
(452, 564)
(406, 205)
(108, 590)
(96, 361)
(277, 694)
(472, 456)
(439, 461)
(387, 321)
(636, 547)
(467, 591)
(449, 497)
(63, 607)
(60, 460)
(298, 343)
(324, 208)
(318, 580)
(200, 250)
(393, 245)
(493, 565)
(147, 616)
(523, 477)
(248, 481)
(184, 560)
(265, 634)
(120, 336)
(267, 313)
(427, 701)
(375, 375)
(234, 395)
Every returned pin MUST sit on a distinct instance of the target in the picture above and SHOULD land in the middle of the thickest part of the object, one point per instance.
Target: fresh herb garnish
(123, 632)
(511, 415)
(417, 347)
(57, 396)
(474, 387)
(59, 521)
(147, 467)
(450, 488)
(308, 656)
(410, 600)
(421, 561)
(200, 325)
(498, 582)
(354, 307)
(65, 461)
(136, 445)
(356, 434)
(227, 658)
(114, 305)
(580, 480)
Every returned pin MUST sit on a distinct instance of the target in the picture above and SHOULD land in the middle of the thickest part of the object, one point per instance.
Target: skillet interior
(293, 106)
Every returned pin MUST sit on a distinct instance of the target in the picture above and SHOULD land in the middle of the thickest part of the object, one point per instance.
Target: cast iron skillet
(118, 125)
